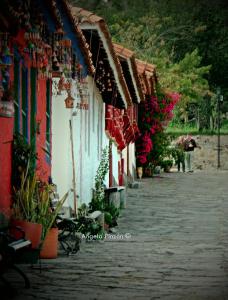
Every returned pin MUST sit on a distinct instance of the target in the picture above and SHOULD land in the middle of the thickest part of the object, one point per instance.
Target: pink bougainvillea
(155, 114)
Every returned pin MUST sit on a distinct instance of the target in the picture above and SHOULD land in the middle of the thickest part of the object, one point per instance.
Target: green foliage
(166, 164)
(187, 41)
(161, 143)
(98, 200)
(23, 159)
(32, 202)
(86, 225)
(89, 227)
(25, 200)
(111, 214)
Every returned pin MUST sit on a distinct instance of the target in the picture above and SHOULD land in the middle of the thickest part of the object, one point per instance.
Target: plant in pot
(166, 165)
(47, 217)
(32, 204)
(24, 159)
(24, 209)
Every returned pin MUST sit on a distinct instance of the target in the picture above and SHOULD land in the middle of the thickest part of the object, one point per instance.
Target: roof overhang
(147, 74)
(128, 56)
(88, 21)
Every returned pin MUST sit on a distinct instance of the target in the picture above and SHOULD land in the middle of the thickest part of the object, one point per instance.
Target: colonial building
(130, 128)
(68, 92)
(26, 65)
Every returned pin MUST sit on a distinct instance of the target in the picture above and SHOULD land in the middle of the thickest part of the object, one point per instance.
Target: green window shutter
(33, 78)
(48, 117)
(24, 110)
(17, 95)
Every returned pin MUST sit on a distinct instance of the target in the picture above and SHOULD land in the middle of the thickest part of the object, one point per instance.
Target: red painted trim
(6, 138)
(43, 167)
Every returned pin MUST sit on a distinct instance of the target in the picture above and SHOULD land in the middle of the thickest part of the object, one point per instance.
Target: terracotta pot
(50, 244)
(32, 231)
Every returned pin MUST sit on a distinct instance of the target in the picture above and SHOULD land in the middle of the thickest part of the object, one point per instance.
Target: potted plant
(24, 210)
(32, 204)
(47, 217)
(166, 164)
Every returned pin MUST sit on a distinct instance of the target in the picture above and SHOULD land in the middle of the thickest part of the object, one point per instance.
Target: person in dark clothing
(189, 146)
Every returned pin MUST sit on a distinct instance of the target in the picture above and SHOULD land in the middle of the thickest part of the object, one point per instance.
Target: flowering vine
(154, 115)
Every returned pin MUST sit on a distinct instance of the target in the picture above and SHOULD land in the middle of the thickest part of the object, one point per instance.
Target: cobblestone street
(172, 243)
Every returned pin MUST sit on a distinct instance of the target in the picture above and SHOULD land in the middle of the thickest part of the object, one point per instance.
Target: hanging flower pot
(69, 101)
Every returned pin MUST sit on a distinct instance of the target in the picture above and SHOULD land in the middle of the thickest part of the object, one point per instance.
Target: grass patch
(178, 129)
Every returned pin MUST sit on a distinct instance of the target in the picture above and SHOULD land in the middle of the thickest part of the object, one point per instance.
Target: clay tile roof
(123, 52)
(129, 56)
(143, 66)
(81, 39)
(87, 18)
(148, 78)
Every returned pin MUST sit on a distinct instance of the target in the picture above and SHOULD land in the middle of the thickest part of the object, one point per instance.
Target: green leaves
(97, 202)
(32, 202)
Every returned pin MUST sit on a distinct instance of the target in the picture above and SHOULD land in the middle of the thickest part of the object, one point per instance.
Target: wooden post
(73, 164)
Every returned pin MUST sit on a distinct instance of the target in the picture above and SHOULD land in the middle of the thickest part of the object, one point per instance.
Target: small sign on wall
(6, 109)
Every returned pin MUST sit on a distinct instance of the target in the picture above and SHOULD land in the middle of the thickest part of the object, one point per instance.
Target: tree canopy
(186, 40)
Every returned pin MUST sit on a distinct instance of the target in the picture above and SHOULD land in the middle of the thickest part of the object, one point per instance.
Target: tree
(186, 40)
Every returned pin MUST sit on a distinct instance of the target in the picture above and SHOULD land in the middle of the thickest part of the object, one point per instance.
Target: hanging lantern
(69, 101)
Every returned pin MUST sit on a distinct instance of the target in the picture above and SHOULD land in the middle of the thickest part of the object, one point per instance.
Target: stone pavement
(172, 243)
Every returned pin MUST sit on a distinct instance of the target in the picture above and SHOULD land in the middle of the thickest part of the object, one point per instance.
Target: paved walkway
(172, 244)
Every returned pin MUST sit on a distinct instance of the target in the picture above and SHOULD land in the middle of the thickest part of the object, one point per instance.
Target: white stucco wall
(89, 141)
(124, 156)
(89, 138)
(131, 156)
(132, 160)
(61, 146)
(116, 157)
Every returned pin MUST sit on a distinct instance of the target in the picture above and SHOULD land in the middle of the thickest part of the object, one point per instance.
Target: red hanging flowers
(155, 114)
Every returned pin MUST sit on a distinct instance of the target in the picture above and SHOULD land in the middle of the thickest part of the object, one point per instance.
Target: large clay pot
(50, 244)
(33, 231)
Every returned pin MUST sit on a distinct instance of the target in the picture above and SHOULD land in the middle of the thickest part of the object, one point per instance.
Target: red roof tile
(129, 55)
(147, 74)
(143, 66)
(123, 52)
(88, 18)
